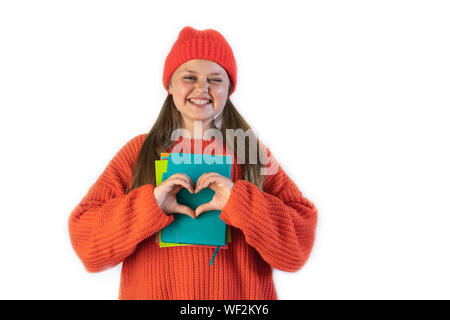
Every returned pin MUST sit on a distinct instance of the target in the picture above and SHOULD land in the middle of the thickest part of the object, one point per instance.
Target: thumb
(185, 210)
(204, 207)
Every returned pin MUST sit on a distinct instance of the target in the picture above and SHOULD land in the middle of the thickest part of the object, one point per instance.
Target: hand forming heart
(165, 193)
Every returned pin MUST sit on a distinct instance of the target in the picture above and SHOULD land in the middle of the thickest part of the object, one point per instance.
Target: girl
(272, 224)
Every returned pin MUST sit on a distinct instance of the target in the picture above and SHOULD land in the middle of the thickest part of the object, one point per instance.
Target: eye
(193, 78)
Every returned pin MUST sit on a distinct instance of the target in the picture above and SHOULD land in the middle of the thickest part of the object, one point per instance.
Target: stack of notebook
(207, 229)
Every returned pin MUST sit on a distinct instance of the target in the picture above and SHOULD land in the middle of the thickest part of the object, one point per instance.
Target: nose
(202, 85)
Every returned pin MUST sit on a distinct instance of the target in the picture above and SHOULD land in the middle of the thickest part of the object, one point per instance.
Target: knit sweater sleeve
(107, 225)
(278, 222)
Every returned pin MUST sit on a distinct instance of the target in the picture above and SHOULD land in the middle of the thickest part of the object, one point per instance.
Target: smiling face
(199, 89)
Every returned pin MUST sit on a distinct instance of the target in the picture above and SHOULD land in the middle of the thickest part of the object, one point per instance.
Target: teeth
(198, 101)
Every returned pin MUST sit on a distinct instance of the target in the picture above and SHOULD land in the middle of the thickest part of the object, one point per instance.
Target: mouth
(200, 103)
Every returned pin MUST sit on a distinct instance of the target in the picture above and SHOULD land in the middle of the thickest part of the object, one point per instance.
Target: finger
(199, 182)
(203, 181)
(204, 176)
(205, 207)
(209, 181)
(182, 183)
(202, 186)
(185, 210)
(183, 177)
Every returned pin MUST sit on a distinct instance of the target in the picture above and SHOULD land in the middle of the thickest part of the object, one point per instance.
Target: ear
(169, 86)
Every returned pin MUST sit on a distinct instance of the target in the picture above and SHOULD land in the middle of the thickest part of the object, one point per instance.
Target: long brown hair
(169, 119)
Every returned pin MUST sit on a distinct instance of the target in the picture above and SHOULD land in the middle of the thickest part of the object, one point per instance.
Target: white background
(352, 97)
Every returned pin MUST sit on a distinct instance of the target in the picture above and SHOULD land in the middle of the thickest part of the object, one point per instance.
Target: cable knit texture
(273, 228)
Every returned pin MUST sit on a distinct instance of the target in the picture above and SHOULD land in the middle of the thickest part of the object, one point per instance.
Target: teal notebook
(208, 228)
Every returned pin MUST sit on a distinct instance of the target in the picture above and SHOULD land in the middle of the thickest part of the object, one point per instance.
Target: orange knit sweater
(273, 228)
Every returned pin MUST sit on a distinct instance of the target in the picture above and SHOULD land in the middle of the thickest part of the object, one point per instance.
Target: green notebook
(208, 228)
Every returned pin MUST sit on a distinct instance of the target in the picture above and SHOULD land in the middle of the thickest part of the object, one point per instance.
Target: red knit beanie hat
(200, 44)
